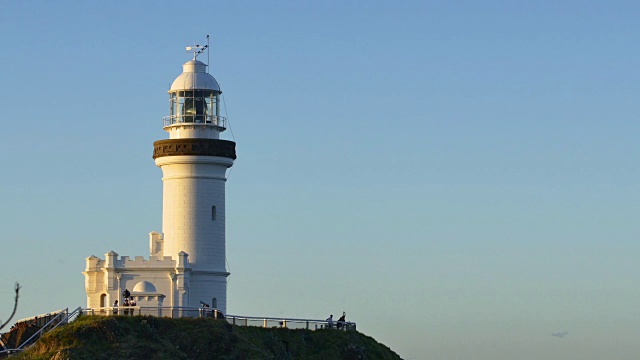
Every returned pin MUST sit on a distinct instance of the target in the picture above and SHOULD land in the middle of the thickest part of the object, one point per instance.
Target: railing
(171, 312)
(62, 318)
(213, 120)
(38, 320)
(179, 312)
(59, 318)
(308, 324)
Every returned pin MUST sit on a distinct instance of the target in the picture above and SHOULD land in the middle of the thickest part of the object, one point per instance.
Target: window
(213, 213)
(181, 108)
(173, 108)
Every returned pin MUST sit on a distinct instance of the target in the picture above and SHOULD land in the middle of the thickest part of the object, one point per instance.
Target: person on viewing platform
(115, 307)
(126, 294)
(126, 303)
(132, 303)
(330, 322)
(341, 320)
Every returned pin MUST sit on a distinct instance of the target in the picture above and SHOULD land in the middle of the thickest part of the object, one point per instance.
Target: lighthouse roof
(195, 77)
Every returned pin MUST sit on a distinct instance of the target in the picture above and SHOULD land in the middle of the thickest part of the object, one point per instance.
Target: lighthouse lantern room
(194, 103)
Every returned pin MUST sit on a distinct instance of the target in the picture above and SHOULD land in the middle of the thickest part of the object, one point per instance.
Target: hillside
(135, 337)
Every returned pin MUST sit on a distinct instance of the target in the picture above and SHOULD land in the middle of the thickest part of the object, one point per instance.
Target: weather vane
(198, 49)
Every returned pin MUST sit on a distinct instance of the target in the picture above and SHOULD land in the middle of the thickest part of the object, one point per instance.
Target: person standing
(330, 322)
(126, 306)
(132, 303)
(341, 321)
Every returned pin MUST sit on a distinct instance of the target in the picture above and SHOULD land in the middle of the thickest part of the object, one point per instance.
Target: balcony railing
(179, 312)
(210, 120)
(308, 324)
(44, 323)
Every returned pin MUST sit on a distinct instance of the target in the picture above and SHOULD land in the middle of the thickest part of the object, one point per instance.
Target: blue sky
(460, 178)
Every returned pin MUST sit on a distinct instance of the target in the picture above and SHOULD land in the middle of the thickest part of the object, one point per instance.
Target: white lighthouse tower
(186, 265)
(194, 161)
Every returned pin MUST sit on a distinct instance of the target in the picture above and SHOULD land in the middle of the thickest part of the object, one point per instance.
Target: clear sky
(460, 178)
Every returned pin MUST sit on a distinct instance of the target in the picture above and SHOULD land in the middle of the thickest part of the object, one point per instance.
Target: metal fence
(45, 323)
(269, 322)
(171, 312)
(180, 312)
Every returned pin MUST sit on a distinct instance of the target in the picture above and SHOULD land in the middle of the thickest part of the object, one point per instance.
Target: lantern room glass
(194, 106)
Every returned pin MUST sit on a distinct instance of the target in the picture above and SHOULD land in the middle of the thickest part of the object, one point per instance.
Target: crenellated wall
(106, 280)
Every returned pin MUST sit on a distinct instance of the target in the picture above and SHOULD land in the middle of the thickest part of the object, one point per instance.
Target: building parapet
(94, 263)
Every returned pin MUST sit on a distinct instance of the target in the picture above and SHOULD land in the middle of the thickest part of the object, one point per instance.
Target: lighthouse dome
(195, 77)
(144, 287)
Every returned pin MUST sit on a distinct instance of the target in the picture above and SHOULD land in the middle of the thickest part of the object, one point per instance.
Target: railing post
(265, 323)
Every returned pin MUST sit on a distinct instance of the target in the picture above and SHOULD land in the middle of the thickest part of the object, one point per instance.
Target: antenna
(208, 50)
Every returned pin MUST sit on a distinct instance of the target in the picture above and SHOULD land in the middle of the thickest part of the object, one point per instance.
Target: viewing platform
(41, 324)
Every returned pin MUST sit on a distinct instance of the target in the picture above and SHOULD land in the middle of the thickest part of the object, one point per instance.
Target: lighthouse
(194, 161)
(186, 267)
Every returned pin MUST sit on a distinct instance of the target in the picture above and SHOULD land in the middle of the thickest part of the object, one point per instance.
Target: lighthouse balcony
(203, 120)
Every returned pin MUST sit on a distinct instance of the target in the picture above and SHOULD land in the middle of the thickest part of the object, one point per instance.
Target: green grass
(137, 337)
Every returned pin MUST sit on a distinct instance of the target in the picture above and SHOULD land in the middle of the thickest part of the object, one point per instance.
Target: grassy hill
(137, 337)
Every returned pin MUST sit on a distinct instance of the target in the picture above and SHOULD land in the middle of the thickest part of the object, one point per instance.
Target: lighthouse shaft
(193, 204)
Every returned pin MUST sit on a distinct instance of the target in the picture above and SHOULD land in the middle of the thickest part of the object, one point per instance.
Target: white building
(186, 264)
